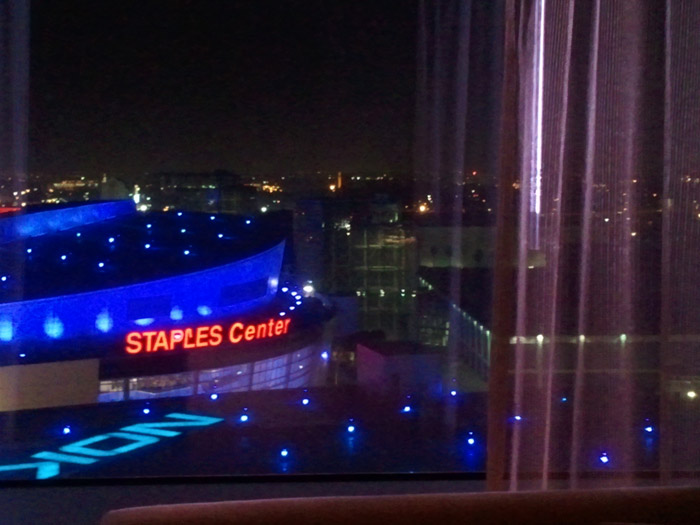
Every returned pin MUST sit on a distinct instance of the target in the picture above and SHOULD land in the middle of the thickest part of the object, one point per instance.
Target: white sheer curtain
(599, 341)
(594, 145)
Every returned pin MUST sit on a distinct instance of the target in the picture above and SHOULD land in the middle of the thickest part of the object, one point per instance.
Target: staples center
(101, 303)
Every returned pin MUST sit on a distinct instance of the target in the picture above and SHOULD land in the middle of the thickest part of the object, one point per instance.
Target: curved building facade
(153, 304)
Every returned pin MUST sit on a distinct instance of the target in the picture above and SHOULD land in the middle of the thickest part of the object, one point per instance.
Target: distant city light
(308, 289)
(220, 236)
(263, 209)
(540, 338)
(692, 394)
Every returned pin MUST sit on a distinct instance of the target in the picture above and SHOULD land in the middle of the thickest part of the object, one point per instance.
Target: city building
(101, 303)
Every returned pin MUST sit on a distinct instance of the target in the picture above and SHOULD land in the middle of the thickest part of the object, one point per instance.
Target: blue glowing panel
(23, 226)
(218, 291)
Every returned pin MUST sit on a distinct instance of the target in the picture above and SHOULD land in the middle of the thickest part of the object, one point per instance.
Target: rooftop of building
(126, 249)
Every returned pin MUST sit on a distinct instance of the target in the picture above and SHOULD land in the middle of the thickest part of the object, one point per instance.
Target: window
(342, 238)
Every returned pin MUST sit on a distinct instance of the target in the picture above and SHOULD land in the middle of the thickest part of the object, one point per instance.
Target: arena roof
(123, 250)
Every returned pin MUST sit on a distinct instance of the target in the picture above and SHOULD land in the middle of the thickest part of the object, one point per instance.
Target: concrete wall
(49, 384)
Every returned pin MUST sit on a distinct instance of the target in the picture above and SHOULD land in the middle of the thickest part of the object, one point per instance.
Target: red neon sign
(203, 336)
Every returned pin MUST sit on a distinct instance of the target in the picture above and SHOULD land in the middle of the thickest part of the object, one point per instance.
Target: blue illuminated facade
(106, 258)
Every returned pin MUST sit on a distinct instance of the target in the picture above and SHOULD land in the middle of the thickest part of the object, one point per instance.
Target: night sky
(258, 87)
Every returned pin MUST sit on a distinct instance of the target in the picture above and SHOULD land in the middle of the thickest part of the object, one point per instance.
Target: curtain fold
(605, 348)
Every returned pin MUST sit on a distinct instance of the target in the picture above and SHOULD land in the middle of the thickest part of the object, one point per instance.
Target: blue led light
(247, 221)
(176, 314)
(78, 234)
(3, 278)
(149, 226)
(291, 308)
(183, 230)
(186, 252)
(101, 264)
(518, 418)
(282, 314)
(453, 393)
(104, 322)
(604, 459)
(214, 397)
(243, 418)
(649, 429)
(111, 240)
(23, 355)
(146, 411)
(351, 429)
(147, 246)
(179, 214)
(220, 236)
(285, 289)
(29, 250)
(66, 430)
(53, 327)
(284, 452)
(324, 355)
(406, 409)
(305, 401)
(144, 321)
(564, 399)
(298, 303)
(211, 217)
(471, 441)
(64, 257)
(203, 310)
